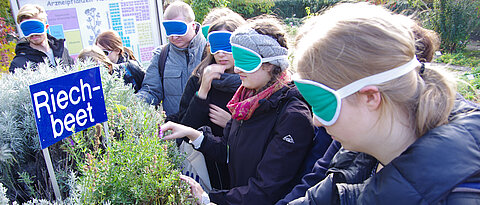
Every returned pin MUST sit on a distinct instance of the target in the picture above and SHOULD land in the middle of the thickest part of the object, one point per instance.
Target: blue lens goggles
(220, 41)
(32, 27)
(175, 28)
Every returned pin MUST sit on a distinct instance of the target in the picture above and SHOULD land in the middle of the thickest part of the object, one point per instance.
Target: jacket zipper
(228, 147)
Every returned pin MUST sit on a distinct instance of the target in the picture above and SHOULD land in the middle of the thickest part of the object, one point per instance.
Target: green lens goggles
(249, 61)
(326, 102)
(205, 30)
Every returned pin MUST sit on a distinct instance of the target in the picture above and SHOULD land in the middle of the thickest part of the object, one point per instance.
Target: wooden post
(51, 172)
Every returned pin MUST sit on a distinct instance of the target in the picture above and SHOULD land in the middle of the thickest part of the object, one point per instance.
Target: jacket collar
(444, 157)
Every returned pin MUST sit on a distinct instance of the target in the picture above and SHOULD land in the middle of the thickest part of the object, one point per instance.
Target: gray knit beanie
(264, 45)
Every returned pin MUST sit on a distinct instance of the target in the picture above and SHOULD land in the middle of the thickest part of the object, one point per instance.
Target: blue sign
(68, 104)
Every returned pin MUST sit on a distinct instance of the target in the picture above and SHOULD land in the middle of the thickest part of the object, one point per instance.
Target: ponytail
(435, 101)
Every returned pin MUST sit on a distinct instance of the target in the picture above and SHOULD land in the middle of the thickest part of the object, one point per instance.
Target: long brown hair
(112, 41)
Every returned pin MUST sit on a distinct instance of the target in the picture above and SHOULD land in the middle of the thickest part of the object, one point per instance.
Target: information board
(80, 21)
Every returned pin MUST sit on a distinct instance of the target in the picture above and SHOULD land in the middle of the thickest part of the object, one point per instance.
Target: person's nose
(221, 54)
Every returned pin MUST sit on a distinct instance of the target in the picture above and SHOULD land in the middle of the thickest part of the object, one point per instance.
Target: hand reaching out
(213, 71)
(179, 131)
(195, 188)
(219, 116)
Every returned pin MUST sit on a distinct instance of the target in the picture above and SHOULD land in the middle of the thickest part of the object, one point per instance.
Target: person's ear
(370, 96)
(267, 67)
(194, 25)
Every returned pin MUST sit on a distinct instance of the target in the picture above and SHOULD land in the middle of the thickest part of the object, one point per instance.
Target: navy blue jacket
(264, 153)
(425, 173)
(316, 175)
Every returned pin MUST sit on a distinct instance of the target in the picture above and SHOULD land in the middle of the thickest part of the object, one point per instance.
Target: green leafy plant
(202, 7)
(7, 47)
(127, 164)
(251, 8)
(298, 8)
(467, 59)
(454, 20)
(469, 86)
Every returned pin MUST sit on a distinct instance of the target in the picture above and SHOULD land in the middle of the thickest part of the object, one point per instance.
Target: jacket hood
(228, 82)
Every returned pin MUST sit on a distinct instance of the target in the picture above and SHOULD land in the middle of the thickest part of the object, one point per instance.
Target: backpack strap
(161, 63)
(162, 59)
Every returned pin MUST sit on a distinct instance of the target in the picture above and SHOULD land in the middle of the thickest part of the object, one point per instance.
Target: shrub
(246, 8)
(454, 20)
(251, 8)
(21, 156)
(296, 8)
(202, 7)
(7, 32)
(135, 167)
(7, 48)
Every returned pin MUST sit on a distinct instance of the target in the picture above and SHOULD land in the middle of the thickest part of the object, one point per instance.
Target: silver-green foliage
(131, 165)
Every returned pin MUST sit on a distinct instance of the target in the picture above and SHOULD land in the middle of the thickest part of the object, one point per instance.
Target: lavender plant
(125, 164)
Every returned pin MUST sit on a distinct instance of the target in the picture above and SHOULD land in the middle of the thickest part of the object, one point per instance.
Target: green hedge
(296, 8)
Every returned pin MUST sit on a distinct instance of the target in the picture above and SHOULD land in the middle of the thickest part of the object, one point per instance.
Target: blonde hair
(112, 41)
(178, 8)
(29, 11)
(355, 40)
(95, 53)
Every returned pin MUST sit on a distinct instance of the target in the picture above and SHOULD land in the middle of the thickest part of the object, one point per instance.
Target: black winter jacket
(24, 53)
(425, 173)
(132, 71)
(264, 153)
(194, 112)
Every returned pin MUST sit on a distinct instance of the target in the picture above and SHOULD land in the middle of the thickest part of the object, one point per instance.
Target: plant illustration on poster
(79, 22)
(94, 23)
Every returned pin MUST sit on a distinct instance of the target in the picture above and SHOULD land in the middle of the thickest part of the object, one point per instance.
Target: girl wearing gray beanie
(270, 133)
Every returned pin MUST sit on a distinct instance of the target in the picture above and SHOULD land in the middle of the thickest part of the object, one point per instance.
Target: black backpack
(162, 59)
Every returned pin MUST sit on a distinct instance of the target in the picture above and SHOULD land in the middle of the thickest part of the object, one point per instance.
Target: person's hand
(179, 131)
(195, 187)
(219, 116)
(213, 71)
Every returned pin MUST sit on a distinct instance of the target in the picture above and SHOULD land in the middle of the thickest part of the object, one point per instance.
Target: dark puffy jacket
(426, 173)
(194, 112)
(25, 53)
(264, 153)
(316, 175)
(132, 71)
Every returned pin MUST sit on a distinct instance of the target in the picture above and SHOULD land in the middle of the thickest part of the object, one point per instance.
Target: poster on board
(80, 21)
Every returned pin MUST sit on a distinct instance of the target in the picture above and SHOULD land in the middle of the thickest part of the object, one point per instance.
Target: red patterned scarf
(244, 102)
